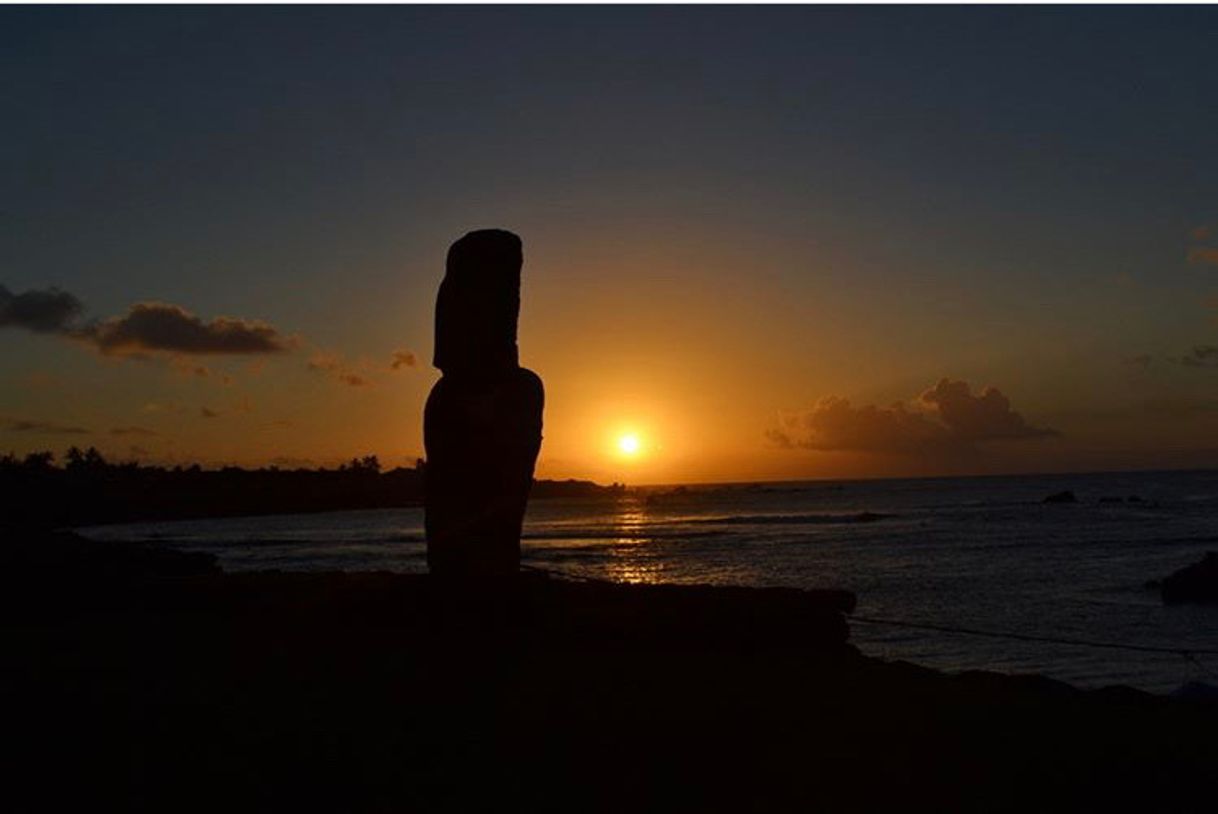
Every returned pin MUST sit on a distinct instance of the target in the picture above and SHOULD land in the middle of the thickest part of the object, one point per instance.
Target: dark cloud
(236, 407)
(1201, 356)
(835, 424)
(956, 422)
(1203, 254)
(1142, 360)
(164, 327)
(49, 311)
(42, 427)
(189, 367)
(161, 329)
(333, 365)
(979, 418)
(324, 363)
(147, 327)
(402, 358)
(143, 431)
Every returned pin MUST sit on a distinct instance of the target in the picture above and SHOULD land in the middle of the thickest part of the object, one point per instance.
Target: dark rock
(1062, 497)
(1196, 691)
(66, 554)
(1195, 583)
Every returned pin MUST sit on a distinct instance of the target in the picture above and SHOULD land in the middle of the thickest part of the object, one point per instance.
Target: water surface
(974, 552)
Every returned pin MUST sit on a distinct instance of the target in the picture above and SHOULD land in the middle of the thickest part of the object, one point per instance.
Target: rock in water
(1196, 583)
(1062, 497)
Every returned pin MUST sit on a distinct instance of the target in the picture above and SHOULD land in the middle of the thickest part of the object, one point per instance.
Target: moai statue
(482, 422)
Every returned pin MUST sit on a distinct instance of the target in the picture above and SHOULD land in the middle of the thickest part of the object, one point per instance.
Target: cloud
(50, 311)
(835, 424)
(1203, 254)
(956, 420)
(237, 406)
(189, 367)
(123, 431)
(1141, 361)
(1200, 356)
(979, 418)
(402, 358)
(147, 328)
(162, 407)
(154, 329)
(42, 427)
(164, 327)
(332, 364)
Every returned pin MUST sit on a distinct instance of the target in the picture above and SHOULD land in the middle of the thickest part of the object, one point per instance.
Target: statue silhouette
(482, 422)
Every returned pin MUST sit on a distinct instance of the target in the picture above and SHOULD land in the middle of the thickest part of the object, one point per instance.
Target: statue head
(479, 304)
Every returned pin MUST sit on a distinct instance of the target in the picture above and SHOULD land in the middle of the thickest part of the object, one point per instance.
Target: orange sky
(733, 381)
(774, 243)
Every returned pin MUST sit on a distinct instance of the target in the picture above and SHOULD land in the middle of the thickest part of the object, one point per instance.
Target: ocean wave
(655, 531)
(794, 519)
(1200, 539)
(200, 542)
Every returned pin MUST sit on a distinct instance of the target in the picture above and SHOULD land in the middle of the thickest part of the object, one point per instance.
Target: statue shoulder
(529, 384)
(530, 379)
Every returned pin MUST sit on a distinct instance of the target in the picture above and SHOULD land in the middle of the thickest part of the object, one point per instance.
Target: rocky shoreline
(150, 680)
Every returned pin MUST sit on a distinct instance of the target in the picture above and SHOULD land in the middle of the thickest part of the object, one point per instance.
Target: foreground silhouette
(142, 679)
(482, 422)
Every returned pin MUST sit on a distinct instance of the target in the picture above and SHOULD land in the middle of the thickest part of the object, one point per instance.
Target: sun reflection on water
(632, 557)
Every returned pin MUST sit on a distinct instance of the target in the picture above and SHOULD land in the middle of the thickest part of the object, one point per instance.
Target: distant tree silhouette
(87, 460)
(369, 464)
(89, 489)
(37, 461)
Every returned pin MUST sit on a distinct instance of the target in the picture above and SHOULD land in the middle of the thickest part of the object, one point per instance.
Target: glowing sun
(629, 445)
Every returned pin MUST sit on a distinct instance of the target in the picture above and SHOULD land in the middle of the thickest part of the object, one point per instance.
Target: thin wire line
(1187, 652)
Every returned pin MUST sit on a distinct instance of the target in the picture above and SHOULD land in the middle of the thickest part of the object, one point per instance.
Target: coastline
(152, 679)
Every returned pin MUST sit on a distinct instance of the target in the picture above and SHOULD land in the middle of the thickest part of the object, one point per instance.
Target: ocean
(980, 553)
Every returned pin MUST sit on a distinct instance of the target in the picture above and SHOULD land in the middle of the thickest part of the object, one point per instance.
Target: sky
(767, 242)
